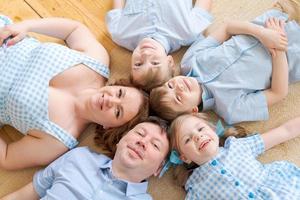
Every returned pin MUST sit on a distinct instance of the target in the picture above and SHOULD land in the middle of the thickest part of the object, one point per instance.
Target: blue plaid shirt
(83, 174)
(235, 174)
(234, 74)
(173, 23)
(25, 71)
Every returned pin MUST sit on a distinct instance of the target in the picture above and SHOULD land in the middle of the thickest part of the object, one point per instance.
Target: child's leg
(291, 7)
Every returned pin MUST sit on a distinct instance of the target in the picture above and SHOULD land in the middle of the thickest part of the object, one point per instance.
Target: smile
(204, 144)
(136, 152)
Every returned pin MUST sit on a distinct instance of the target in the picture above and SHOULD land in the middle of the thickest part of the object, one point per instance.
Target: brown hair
(151, 80)
(108, 138)
(181, 173)
(161, 105)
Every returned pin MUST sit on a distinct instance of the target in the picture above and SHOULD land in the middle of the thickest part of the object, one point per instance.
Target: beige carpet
(164, 188)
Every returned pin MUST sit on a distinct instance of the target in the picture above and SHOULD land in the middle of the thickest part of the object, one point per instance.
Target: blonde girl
(232, 171)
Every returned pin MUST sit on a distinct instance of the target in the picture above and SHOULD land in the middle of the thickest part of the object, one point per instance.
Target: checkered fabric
(236, 174)
(25, 71)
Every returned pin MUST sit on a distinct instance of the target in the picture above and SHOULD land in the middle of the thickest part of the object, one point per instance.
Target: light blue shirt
(234, 74)
(82, 174)
(173, 23)
(235, 174)
(26, 69)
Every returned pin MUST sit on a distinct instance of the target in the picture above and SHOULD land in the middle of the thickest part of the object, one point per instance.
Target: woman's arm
(76, 35)
(204, 4)
(34, 149)
(287, 131)
(268, 37)
(25, 193)
(119, 4)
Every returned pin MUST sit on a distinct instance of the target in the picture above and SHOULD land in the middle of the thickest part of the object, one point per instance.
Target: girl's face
(197, 141)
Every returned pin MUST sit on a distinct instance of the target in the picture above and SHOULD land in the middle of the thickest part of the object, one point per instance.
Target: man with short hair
(84, 174)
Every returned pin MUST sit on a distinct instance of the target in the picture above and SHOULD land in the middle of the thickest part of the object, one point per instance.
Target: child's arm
(118, 4)
(269, 38)
(76, 35)
(287, 131)
(25, 193)
(204, 4)
(279, 84)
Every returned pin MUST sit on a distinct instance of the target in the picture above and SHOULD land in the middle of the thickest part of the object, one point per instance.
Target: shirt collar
(131, 188)
(159, 38)
(207, 99)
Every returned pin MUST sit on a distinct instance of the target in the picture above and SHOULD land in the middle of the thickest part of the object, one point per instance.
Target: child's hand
(274, 36)
(12, 34)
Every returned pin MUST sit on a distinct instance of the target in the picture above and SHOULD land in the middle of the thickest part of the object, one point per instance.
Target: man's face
(143, 149)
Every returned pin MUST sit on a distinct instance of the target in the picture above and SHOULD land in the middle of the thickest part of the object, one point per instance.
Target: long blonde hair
(108, 138)
(182, 173)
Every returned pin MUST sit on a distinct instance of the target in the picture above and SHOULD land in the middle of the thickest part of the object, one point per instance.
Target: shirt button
(214, 163)
(223, 171)
(237, 183)
(251, 195)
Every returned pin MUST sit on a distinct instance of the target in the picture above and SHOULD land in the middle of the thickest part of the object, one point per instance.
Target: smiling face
(114, 106)
(143, 149)
(196, 140)
(183, 94)
(149, 61)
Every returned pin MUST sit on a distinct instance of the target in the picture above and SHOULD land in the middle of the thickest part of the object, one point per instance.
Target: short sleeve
(254, 144)
(190, 57)
(202, 18)
(43, 179)
(112, 20)
(261, 20)
(246, 107)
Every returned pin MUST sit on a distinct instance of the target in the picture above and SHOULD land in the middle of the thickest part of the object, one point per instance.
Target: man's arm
(25, 193)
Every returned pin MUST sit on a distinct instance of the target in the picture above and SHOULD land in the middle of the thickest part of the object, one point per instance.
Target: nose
(180, 86)
(112, 100)
(142, 144)
(196, 138)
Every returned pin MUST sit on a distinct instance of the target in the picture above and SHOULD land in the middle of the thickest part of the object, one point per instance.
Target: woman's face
(114, 106)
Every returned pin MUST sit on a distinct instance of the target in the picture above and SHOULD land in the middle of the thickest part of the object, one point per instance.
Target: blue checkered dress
(235, 174)
(25, 71)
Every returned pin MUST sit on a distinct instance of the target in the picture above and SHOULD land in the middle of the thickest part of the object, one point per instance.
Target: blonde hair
(151, 80)
(291, 7)
(160, 104)
(182, 173)
(108, 138)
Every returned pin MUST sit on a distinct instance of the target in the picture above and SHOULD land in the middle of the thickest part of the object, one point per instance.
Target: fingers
(14, 40)
(4, 34)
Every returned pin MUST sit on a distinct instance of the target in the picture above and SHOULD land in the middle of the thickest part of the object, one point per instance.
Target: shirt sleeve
(112, 20)
(246, 107)
(202, 18)
(190, 56)
(43, 179)
(254, 144)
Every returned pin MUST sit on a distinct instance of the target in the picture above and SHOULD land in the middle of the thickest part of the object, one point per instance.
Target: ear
(159, 168)
(184, 159)
(171, 63)
(195, 109)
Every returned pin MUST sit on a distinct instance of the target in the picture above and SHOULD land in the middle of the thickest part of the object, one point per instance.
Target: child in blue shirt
(232, 171)
(152, 29)
(237, 78)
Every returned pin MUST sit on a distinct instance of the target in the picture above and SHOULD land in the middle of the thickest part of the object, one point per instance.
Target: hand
(12, 34)
(274, 36)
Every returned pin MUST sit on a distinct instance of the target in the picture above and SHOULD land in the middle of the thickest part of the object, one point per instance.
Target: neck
(121, 172)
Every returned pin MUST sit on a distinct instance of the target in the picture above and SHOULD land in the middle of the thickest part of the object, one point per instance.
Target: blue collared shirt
(83, 174)
(234, 74)
(173, 23)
